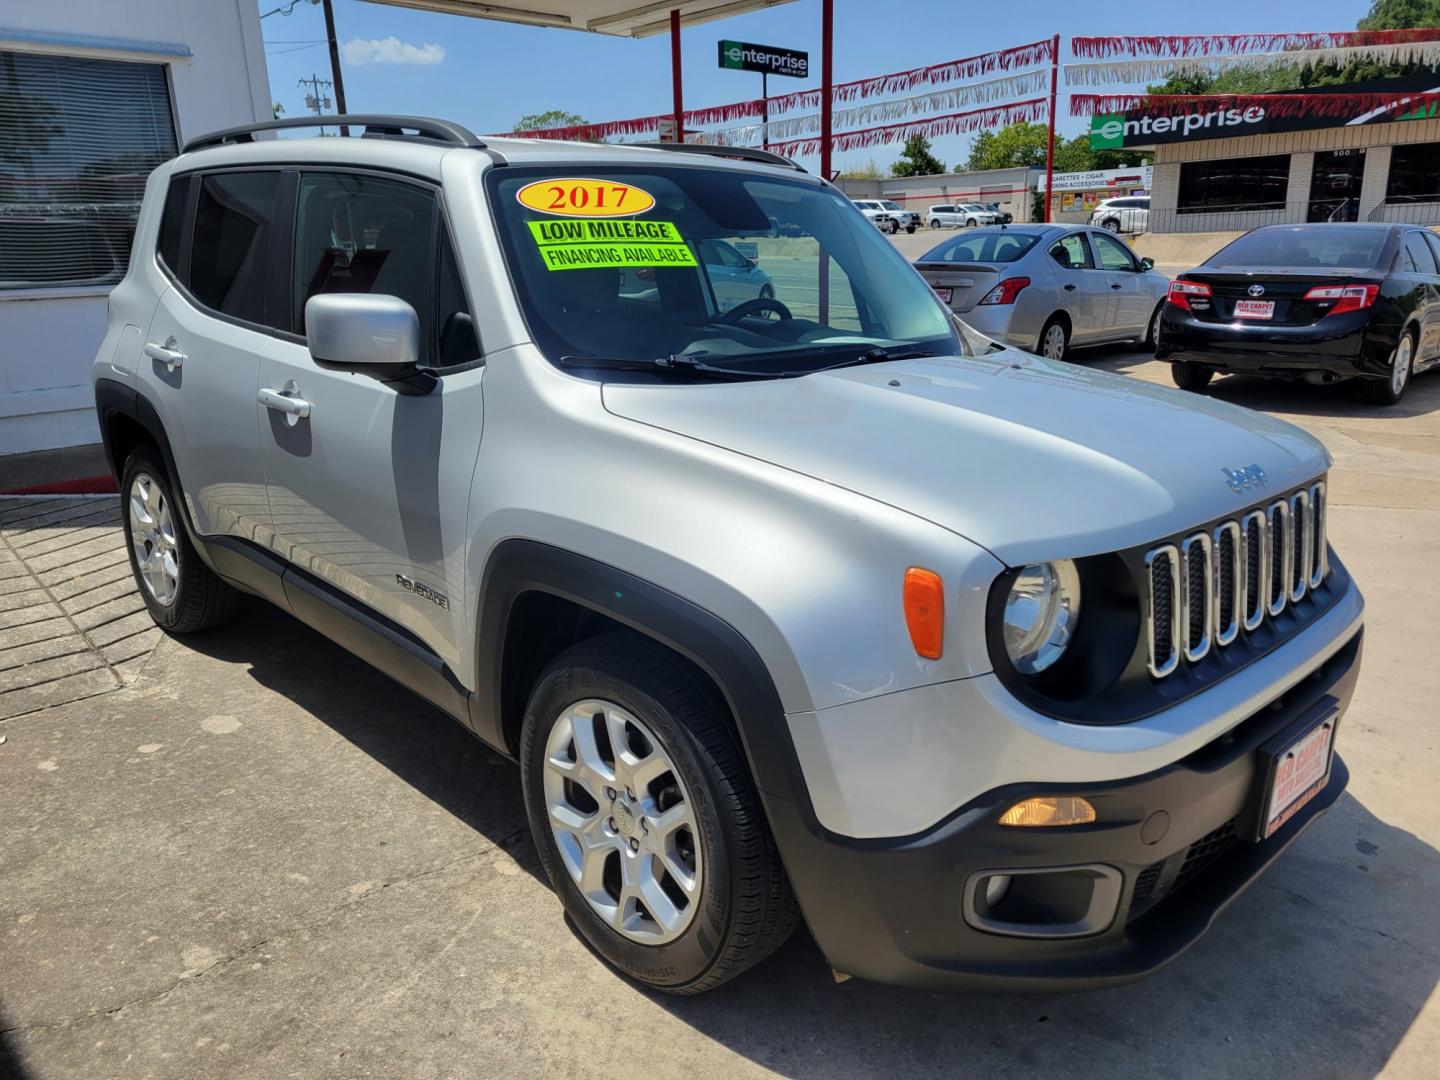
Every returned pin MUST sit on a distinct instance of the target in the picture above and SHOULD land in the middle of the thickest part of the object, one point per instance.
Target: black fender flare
(519, 566)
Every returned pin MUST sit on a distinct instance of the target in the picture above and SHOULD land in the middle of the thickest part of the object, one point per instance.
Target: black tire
(1111, 225)
(767, 292)
(1384, 391)
(970, 223)
(201, 600)
(1151, 340)
(1052, 323)
(894, 227)
(1191, 376)
(746, 907)
(934, 223)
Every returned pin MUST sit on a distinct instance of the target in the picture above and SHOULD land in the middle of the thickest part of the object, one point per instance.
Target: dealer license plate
(1299, 775)
(1254, 309)
(943, 293)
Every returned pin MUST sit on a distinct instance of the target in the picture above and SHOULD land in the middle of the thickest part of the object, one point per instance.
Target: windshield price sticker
(585, 245)
(579, 197)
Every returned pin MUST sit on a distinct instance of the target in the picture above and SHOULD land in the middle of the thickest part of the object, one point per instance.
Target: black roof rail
(421, 128)
(739, 153)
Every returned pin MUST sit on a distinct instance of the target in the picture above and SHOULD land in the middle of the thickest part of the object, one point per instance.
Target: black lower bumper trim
(893, 910)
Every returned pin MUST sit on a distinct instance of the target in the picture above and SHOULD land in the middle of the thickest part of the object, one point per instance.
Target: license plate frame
(1254, 309)
(1295, 768)
(944, 292)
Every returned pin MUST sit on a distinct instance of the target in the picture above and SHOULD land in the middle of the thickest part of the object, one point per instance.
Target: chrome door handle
(294, 408)
(166, 354)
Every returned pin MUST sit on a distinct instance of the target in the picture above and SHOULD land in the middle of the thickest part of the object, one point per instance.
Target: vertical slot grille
(1162, 567)
(1202, 593)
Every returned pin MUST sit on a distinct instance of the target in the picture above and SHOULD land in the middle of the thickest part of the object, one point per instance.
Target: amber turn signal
(925, 611)
(1050, 810)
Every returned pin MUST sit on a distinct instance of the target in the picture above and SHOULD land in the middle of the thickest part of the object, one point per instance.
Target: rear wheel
(646, 819)
(1390, 391)
(182, 594)
(1054, 339)
(1191, 376)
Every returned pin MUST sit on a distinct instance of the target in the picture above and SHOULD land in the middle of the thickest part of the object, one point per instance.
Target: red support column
(675, 75)
(1050, 146)
(827, 82)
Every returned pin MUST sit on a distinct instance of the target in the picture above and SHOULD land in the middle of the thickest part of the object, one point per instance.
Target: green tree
(1024, 144)
(1401, 15)
(916, 159)
(551, 118)
(869, 171)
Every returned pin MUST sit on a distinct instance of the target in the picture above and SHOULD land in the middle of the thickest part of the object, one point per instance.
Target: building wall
(1011, 188)
(1377, 139)
(216, 61)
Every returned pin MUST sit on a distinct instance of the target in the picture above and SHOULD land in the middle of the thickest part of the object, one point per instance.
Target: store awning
(622, 18)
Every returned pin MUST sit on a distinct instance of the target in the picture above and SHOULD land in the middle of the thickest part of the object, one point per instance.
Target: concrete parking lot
(245, 854)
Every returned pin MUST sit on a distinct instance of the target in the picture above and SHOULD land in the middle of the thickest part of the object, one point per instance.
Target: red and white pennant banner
(996, 116)
(1288, 104)
(1009, 88)
(1127, 72)
(971, 67)
(1220, 44)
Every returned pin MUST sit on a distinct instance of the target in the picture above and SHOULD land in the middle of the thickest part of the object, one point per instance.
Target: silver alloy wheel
(623, 822)
(1400, 365)
(1155, 327)
(152, 535)
(1053, 347)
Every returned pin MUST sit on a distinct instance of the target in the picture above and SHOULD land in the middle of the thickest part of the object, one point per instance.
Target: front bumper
(1341, 345)
(893, 910)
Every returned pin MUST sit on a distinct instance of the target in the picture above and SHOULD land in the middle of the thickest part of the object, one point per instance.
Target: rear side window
(364, 234)
(234, 229)
(172, 223)
(986, 247)
(1419, 253)
(1072, 252)
(1434, 243)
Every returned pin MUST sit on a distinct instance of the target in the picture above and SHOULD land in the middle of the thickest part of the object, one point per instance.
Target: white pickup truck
(888, 216)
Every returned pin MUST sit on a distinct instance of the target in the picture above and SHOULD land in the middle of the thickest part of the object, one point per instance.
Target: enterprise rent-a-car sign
(769, 59)
(1139, 128)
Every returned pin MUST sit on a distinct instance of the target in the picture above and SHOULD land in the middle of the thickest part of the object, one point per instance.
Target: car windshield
(982, 247)
(733, 269)
(889, 205)
(1305, 247)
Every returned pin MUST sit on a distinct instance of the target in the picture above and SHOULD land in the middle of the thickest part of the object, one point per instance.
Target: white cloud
(390, 50)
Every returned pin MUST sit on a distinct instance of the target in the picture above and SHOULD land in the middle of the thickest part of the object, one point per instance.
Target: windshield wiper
(669, 365)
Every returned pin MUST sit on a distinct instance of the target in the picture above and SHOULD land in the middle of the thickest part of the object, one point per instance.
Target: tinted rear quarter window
(1420, 253)
(987, 247)
(234, 228)
(172, 223)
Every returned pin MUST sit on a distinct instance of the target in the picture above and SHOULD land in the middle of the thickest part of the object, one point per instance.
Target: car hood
(1032, 459)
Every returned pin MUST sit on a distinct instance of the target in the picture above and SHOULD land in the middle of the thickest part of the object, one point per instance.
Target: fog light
(1050, 810)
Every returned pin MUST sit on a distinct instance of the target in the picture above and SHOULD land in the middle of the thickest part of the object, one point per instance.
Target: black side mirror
(1147, 263)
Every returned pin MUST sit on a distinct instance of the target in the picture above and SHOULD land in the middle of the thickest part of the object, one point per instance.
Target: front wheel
(1390, 391)
(911, 228)
(646, 819)
(970, 223)
(1111, 225)
(1151, 341)
(934, 223)
(1191, 376)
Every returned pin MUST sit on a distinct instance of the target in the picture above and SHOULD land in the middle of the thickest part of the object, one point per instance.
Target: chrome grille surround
(1162, 631)
(1201, 594)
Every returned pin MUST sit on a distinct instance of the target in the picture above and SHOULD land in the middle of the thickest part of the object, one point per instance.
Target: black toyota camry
(1315, 302)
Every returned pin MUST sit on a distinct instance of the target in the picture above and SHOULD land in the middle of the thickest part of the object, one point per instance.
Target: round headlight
(1040, 615)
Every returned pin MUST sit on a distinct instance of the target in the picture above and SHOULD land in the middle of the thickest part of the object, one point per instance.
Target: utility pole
(335, 64)
(315, 101)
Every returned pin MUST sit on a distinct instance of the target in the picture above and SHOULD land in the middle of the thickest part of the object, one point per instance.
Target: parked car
(1126, 213)
(1004, 217)
(888, 216)
(1322, 303)
(821, 604)
(955, 215)
(1045, 288)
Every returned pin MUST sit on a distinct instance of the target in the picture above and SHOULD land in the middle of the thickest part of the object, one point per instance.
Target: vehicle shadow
(1271, 395)
(1319, 970)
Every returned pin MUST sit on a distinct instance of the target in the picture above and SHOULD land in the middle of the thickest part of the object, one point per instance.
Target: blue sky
(488, 74)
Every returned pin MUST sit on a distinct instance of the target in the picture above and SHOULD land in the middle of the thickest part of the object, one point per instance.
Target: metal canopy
(620, 18)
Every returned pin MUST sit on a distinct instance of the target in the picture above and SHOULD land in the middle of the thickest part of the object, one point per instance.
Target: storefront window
(1414, 174)
(77, 139)
(1256, 183)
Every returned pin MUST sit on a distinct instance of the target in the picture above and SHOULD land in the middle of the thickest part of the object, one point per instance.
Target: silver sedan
(1046, 287)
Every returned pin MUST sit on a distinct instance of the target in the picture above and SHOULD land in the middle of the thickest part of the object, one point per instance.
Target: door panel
(1130, 305)
(1083, 291)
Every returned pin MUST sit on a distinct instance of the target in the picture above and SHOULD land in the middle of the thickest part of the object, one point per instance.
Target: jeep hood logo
(1243, 479)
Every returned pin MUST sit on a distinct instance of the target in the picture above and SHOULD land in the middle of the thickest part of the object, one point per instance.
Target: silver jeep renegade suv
(799, 601)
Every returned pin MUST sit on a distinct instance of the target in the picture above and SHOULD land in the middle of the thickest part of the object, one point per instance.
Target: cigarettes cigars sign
(1141, 128)
(742, 56)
